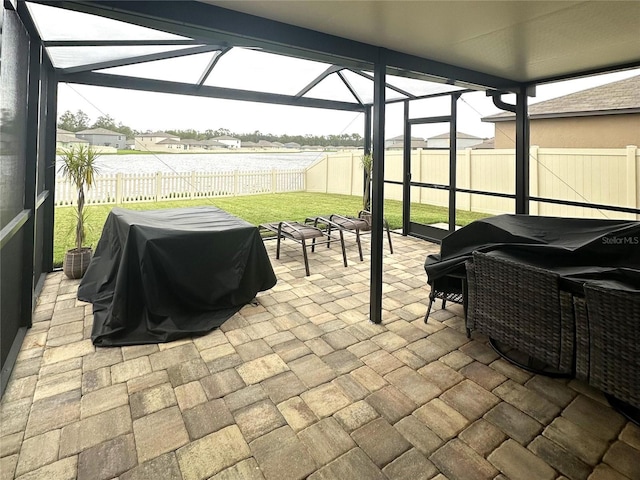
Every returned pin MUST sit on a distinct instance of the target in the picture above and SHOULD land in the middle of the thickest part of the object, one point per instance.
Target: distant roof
(487, 144)
(98, 131)
(458, 135)
(170, 141)
(67, 132)
(613, 98)
(401, 137)
(213, 143)
(225, 137)
(66, 138)
(157, 134)
(415, 143)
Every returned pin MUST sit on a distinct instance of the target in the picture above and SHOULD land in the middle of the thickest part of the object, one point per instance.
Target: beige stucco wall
(604, 131)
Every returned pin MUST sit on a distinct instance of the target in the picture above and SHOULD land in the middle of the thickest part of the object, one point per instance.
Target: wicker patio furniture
(300, 233)
(356, 225)
(521, 307)
(608, 345)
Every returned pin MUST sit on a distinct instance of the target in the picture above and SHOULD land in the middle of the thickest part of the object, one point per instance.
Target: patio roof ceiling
(524, 41)
(184, 47)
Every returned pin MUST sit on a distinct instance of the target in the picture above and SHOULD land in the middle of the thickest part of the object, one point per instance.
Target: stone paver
(207, 418)
(297, 413)
(518, 425)
(282, 456)
(353, 465)
(107, 460)
(262, 368)
(445, 421)
(411, 465)
(381, 442)
(159, 433)
(301, 385)
(355, 415)
(311, 370)
(258, 419)
(326, 440)
(326, 399)
(483, 437)
(391, 403)
(515, 461)
(209, 455)
(456, 460)
(559, 458)
(165, 467)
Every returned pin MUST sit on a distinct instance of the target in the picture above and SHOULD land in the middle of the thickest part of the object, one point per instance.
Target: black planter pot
(76, 261)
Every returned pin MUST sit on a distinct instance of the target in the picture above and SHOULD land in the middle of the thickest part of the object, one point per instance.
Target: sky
(157, 111)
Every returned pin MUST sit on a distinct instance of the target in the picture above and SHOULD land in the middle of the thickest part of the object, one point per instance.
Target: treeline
(75, 122)
(344, 140)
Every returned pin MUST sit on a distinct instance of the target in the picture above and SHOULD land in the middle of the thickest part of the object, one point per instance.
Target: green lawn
(255, 209)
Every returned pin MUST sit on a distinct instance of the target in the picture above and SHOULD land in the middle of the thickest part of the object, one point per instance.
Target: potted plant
(367, 165)
(79, 166)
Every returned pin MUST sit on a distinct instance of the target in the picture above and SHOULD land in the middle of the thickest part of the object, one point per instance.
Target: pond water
(203, 162)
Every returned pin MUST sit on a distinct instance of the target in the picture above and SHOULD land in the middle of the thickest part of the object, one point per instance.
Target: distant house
(149, 141)
(172, 144)
(249, 145)
(607, 116)
(66, 139)
(463, 140)
(266, 144)
(488, 144)
(292, 145)
(397, 143)
(230, 142)
(213, 145)
(103, 137)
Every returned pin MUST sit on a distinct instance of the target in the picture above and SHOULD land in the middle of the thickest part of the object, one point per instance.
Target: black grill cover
(160, 275)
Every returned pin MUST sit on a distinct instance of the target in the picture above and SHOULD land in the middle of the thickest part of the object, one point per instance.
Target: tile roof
(458, 135)
(617, 97)
(157, 134)
(66, 138)
(98, 131)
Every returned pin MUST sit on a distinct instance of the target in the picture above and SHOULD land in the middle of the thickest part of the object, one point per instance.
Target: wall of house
(604, 131)
(116, 141)
(599, 176)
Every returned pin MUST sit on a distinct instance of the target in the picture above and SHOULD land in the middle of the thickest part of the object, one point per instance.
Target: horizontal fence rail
(153, 187)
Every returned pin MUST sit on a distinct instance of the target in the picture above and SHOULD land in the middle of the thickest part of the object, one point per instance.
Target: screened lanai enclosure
(348, 56)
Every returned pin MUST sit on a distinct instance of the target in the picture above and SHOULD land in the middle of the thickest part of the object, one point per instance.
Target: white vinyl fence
(152, 187)
(598, 176)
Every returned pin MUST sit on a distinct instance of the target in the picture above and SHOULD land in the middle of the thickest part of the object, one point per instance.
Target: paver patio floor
(301, 385)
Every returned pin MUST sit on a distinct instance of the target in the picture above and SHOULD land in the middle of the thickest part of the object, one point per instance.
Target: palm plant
(79, 167)
(367, 164)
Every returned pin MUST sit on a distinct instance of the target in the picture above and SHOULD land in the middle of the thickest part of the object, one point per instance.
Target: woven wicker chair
(522, 307)
(608, 336)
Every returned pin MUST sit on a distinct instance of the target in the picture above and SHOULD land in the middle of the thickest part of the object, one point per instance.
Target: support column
(406, 171)
(30, 177)
(522, 152)
(377, 197)
(453, 161)
(50, 170)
